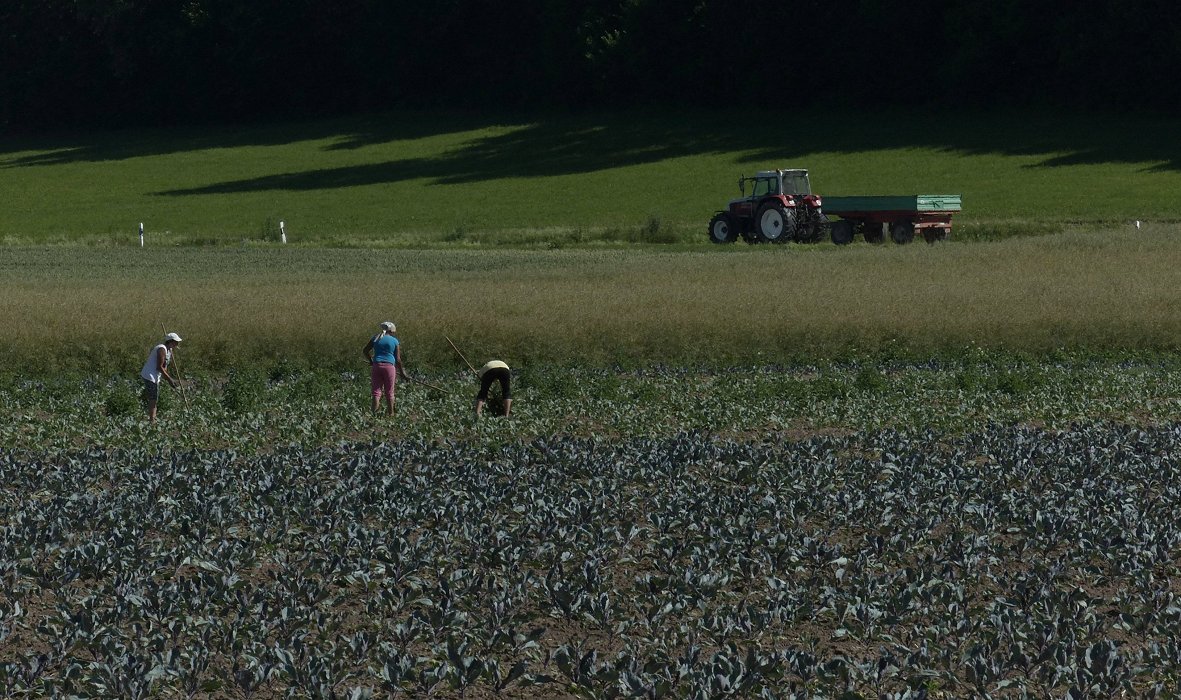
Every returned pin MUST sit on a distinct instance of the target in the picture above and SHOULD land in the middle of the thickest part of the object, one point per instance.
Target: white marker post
(282, 233)
(141, 234)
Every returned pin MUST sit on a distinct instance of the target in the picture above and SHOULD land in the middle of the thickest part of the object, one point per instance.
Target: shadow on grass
(1059, 140)
(350, 133)
(537, 150)
(580, 144)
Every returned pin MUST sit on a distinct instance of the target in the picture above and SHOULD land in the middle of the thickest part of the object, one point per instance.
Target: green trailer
(928, 215)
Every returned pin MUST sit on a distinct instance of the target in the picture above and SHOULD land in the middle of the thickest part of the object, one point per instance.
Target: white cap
(389, 326)
(172, 336)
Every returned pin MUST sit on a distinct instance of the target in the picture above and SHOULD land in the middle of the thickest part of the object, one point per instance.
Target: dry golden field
(102, 307)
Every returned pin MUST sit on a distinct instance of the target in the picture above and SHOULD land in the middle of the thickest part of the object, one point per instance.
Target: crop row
(255, 412)
(1001, 562)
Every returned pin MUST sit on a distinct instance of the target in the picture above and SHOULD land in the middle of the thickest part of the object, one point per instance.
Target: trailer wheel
(721, 229)
(842, 232)
(934, 235)
(902, 232)
(873, 232)
(776, 223)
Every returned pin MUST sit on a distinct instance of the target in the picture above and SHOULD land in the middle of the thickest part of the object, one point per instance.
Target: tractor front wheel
(902, 232)
(721, 229)
(776, 223)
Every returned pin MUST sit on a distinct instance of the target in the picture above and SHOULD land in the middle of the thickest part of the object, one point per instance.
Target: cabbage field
(995, 527)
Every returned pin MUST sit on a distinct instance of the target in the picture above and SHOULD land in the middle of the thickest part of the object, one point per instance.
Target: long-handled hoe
(176, 370)
(457, 352)
(436, 388)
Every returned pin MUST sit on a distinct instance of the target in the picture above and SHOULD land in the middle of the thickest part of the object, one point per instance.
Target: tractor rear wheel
(842, 232)
(776, 223)
(902, 232)
(721, 229)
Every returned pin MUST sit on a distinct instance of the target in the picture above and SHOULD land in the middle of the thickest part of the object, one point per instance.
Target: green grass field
(414, 180)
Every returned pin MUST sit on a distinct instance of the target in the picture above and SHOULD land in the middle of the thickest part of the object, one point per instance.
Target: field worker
(156, 366)
(495, 371)
(384, 354)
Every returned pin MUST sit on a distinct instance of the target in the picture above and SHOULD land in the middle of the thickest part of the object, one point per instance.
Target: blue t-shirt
(385, 349)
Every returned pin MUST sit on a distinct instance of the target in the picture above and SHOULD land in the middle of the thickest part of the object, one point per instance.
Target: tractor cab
(764, 184)
(772, 182)
(795, 182)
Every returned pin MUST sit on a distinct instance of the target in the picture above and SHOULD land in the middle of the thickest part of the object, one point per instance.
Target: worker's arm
(161, 358)
(398, 363)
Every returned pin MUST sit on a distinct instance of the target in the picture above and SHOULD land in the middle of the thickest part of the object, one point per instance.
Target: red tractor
(780, 208)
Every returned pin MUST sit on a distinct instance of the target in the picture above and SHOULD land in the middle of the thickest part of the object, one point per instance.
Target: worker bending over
(495, 371)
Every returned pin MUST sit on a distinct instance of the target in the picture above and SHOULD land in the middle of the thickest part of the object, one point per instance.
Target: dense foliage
(887, 564)
(986, 528)
(183, 60)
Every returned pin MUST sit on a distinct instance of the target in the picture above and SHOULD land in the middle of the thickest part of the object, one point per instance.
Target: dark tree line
(83, 62)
